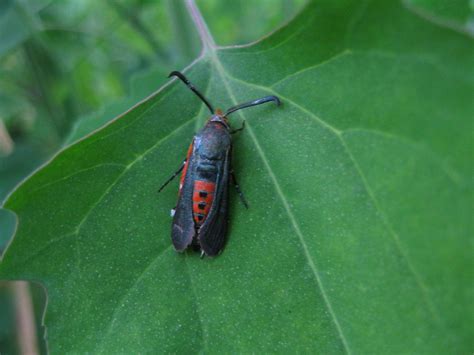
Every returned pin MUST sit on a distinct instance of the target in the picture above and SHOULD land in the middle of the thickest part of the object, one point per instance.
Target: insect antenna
(193, 88)
(253, 103)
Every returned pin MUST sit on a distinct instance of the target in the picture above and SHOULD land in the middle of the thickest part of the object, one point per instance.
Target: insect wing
(183, 231)
(212, 233)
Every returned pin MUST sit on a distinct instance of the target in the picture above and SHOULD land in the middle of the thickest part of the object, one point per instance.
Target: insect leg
(173, 176)
(238, 129)
(239, 191)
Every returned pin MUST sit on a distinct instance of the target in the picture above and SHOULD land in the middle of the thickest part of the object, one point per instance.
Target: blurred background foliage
(458, 14)
(69, 66)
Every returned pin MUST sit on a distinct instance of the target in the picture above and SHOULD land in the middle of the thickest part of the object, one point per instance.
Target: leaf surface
(358, 238)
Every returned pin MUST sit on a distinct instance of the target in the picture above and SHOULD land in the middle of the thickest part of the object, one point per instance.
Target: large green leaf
(358, 238)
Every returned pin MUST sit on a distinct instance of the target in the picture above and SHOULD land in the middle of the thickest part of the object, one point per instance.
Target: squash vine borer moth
(201, 214)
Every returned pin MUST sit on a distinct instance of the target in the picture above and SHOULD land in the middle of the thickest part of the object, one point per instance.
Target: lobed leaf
(358, 236)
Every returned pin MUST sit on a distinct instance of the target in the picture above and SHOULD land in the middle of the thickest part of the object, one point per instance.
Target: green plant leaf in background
(358, 238)
(17, 22)
(458, 14)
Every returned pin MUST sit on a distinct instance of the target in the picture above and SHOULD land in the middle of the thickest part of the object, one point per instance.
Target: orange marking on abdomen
(203, 196)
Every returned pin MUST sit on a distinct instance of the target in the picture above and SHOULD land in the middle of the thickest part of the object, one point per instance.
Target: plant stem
(25, 320)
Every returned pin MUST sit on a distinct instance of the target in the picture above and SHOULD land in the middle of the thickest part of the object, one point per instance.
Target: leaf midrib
(286, 207)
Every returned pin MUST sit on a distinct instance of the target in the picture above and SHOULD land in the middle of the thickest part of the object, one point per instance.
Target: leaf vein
(320, 64)
(198, 310)
(418, 279)
(454, 175)
(76, 173)
(127, 293)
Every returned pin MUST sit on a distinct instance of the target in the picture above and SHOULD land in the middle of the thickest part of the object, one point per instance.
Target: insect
(201, 214)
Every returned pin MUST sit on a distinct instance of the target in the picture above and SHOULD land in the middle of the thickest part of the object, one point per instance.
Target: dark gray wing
(183, 230)
(212, 234)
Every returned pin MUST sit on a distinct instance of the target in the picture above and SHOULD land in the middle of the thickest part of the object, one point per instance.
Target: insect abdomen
(203, 196)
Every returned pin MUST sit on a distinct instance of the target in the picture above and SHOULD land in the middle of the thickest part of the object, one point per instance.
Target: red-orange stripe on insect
(183, 175)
